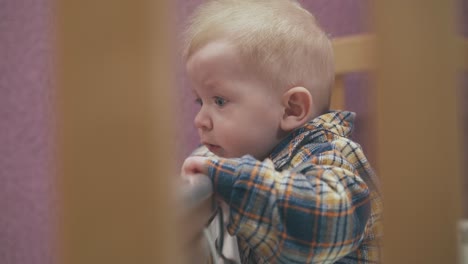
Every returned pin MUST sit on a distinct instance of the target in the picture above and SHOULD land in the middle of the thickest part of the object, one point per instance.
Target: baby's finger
(194, 165)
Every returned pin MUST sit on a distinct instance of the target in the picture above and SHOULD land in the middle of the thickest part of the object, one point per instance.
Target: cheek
(233, 132)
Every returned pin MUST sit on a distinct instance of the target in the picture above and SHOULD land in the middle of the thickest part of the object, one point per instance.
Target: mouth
(213, 148)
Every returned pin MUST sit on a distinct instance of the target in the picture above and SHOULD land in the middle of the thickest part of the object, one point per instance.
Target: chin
(226, 155)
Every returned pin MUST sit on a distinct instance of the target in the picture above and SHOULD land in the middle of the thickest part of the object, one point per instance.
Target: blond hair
(280, 38)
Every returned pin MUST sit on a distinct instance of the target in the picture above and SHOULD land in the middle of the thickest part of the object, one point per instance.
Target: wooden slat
(354, 54)
(115, 129)
(338, 94)
(196, 209)
(417, 130)
(357, 53)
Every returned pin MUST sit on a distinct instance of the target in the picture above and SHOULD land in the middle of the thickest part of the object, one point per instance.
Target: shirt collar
(339, 123)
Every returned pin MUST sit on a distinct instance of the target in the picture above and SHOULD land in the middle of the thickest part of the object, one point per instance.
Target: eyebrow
(210, 82)
(214, 86)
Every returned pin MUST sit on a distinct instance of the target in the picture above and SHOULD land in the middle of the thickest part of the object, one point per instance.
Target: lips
(212, 148)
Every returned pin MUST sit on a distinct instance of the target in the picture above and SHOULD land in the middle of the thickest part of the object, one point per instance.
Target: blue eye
(198, 101)
(219, 101)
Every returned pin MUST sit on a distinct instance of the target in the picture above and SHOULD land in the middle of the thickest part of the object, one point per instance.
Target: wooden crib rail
(357, 54)
(352, 54)
(197, 204)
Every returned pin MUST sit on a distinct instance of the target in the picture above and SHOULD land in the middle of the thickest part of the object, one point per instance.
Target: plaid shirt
(314, 200)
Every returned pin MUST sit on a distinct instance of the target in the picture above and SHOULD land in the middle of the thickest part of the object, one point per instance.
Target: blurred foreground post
(115, 124)
(418, 129)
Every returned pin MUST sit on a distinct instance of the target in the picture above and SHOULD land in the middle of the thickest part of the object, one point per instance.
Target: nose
(203, 121)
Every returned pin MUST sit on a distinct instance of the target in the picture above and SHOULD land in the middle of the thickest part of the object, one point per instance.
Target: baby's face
(239, 113)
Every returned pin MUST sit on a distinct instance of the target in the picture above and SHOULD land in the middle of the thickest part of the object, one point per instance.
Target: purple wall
(26, 184)
(463, 29)
(464, 117)
(185, 107)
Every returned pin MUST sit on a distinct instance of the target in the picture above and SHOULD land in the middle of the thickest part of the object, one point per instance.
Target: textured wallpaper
(26, 183)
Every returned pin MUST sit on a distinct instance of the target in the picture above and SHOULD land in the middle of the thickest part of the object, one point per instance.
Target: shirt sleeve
(315, 214)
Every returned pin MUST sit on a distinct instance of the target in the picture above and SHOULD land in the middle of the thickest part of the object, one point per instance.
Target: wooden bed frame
(357, 54)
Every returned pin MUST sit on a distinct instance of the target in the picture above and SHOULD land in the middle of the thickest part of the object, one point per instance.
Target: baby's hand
(194, 165)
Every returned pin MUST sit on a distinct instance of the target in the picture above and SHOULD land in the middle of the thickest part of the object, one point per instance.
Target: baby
(298, 189)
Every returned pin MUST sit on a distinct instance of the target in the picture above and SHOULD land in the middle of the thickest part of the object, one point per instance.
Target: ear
(297, 103)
